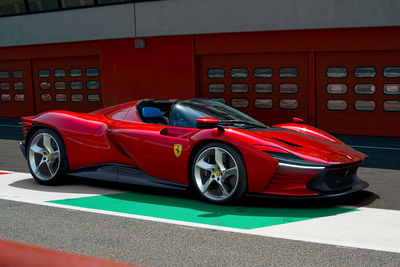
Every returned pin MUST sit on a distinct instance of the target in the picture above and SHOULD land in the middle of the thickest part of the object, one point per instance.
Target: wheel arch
(37, 127)
(202, 143)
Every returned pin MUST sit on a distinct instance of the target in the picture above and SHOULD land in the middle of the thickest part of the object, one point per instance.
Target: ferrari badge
(177, 150)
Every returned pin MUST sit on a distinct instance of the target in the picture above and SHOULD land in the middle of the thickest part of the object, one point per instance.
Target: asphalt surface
(160, 244)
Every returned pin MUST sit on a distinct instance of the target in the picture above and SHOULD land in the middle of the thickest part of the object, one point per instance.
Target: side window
(238, 73)
(391, 72)
(120, 115)
(184, 116)
(263, 72)
(216, 73)
(365, 72)
(44, 73)
(179, 119)
(288, 72)
(131, 115)
(336, 72)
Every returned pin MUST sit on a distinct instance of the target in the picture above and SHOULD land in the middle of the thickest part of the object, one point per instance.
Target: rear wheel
(47, 157)
(219, 173)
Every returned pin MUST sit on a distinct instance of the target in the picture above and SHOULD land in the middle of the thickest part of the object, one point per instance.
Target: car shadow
(255, 211)
(79, 185)
(71, 185)
(357, 199)
(187, 200)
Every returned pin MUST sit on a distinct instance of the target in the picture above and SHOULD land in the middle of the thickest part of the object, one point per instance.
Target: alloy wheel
(216, 174)
(44, 156)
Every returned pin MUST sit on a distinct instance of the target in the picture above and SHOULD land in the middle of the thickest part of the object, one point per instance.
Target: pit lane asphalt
(160, 244)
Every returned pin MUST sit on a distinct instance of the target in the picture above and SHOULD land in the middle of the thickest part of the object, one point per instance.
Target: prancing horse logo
(177, 150)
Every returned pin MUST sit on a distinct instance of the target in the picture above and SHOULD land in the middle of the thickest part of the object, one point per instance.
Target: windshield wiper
(232, 122)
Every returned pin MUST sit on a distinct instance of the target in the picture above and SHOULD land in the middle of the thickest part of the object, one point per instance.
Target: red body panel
(288, 182)
(116, 135)
(153, 151)
(316, 145)
(69, 123)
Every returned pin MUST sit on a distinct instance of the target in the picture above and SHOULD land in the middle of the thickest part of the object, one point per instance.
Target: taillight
(26, 126)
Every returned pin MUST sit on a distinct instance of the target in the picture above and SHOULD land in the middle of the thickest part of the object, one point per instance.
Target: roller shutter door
(71, 83)
(359, 93)
(16, 97)
(272, 88)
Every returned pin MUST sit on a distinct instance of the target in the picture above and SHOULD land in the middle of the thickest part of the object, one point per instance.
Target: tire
(47, 157)
(222, 180)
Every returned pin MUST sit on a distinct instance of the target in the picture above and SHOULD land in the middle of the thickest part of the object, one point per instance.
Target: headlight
(293, 161)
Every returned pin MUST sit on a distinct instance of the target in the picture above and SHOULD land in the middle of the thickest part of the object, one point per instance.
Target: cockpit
(185, 113)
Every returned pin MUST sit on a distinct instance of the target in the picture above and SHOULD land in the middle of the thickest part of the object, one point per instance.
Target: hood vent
(288, 143)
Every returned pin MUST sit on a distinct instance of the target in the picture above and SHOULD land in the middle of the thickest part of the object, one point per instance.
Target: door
(272, 88)
(152, 147)
(70, 83)
(359, 93)
(16, 96)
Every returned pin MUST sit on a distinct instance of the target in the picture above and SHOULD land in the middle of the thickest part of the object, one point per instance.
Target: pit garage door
(16, 97)
(359, 93)
(272, 88)
(71, 83)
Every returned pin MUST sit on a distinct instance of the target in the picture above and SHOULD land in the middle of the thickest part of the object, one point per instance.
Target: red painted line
(4, 173)
(17, 254)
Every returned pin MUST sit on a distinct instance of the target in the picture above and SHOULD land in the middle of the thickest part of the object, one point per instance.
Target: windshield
(185, 113)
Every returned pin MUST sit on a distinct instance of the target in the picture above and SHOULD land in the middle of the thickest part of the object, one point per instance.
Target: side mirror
(298, 120)
(206, 123)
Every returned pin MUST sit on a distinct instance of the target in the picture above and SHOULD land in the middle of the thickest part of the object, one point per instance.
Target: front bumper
(339, 179)
(302, 181)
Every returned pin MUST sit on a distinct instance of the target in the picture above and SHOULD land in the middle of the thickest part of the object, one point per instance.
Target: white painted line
(366, 228)
(22, 187)
(377, 147)
(147, 218)
(356, 230)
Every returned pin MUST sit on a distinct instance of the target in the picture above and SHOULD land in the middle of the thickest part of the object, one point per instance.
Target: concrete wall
(69, 26)
(213, 16)
(175, 17)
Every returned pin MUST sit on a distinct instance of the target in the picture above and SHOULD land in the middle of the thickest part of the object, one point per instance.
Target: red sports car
(199, 143)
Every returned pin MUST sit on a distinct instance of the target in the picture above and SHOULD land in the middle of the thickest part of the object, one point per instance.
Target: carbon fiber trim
(337, 179)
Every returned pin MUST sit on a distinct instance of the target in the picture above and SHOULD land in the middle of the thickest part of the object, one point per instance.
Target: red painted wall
(61, 54)
(168, 66)
(322, 40)
(165, 68)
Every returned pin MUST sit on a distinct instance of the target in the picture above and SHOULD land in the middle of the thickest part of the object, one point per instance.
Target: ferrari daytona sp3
(215, 149)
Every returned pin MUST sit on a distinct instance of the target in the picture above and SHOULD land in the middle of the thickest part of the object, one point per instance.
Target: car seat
(154, 115)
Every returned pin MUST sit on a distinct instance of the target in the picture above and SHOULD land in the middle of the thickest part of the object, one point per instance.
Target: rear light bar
(26, 126)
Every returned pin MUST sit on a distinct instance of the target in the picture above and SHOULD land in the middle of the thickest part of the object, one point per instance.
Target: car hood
(309, 147)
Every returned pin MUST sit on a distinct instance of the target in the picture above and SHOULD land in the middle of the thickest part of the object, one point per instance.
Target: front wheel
(219, 173)
(47, 157)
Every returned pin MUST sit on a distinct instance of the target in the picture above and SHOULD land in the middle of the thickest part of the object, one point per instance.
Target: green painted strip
(188, 210)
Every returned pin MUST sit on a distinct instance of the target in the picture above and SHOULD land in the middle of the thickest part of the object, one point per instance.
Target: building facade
(334, 63)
